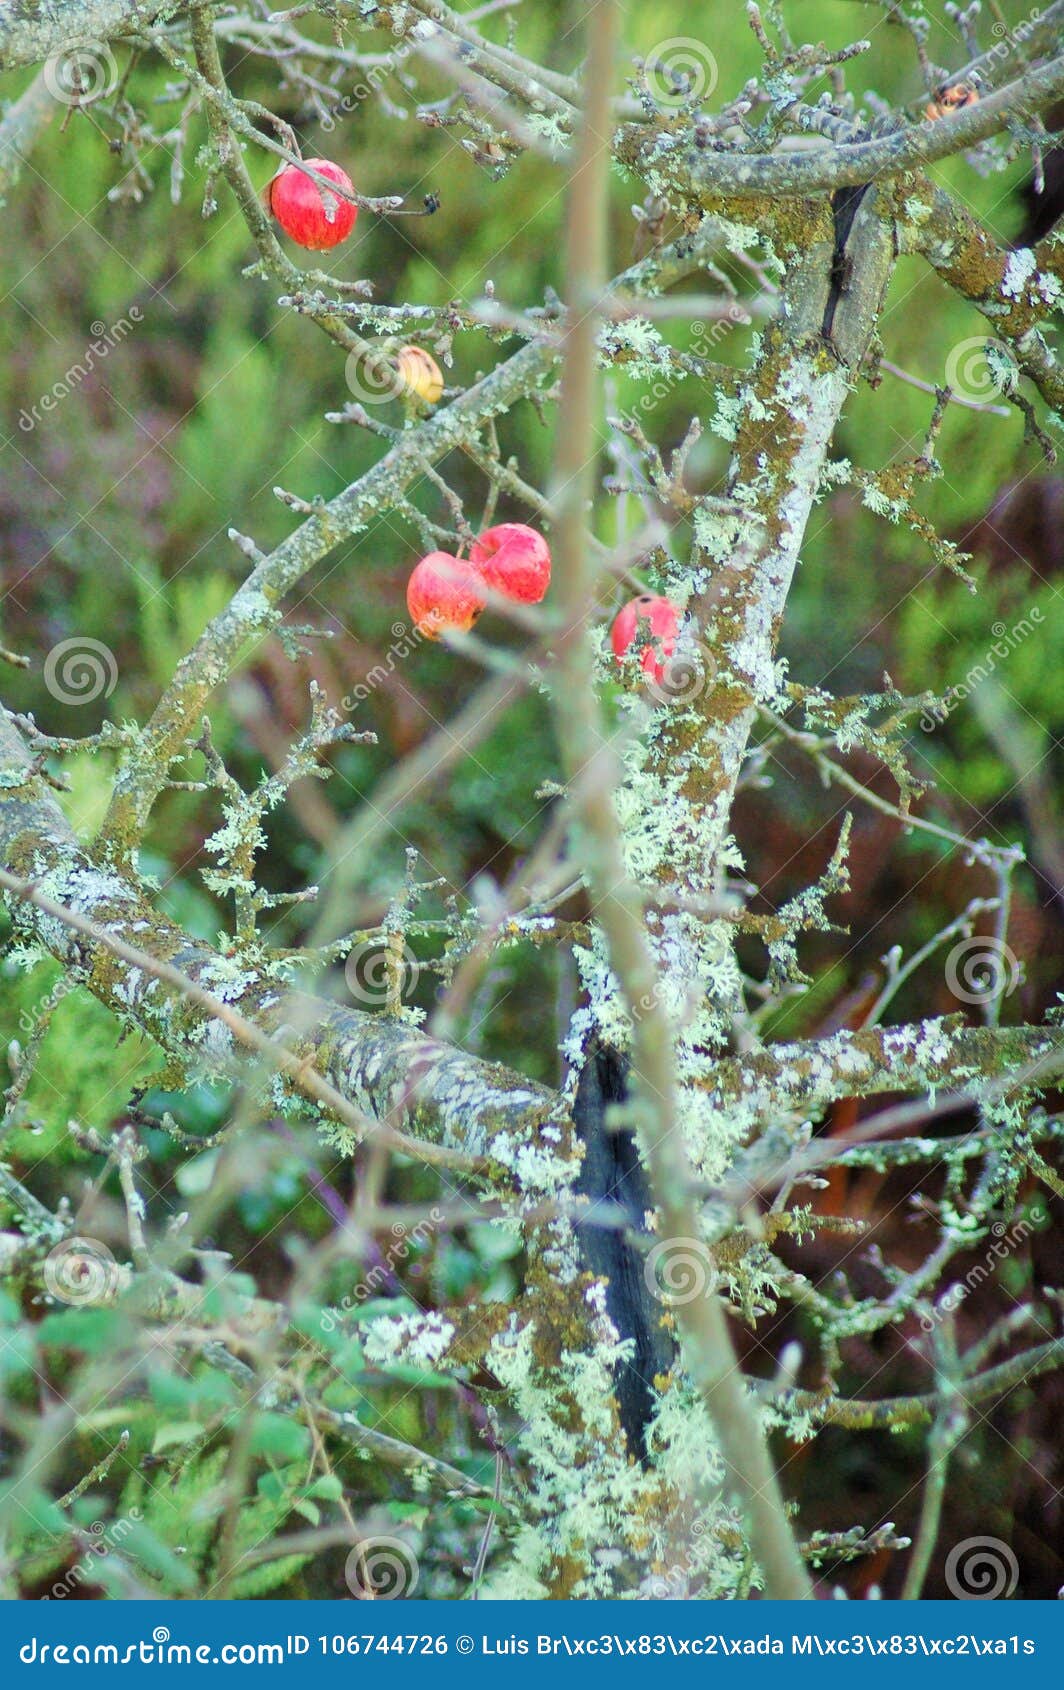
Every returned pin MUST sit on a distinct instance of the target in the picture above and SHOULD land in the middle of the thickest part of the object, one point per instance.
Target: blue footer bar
(428, 1643)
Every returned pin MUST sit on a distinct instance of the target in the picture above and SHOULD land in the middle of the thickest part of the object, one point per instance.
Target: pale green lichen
(551, 130)
(421, 1340)
(590, 1527)
(1019, 268)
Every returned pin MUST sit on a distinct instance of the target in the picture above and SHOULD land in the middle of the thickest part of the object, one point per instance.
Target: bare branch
(675, 163)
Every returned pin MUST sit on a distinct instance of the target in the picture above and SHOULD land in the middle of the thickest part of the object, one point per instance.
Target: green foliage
(993, 677)
(88, 1065)
(172, 615)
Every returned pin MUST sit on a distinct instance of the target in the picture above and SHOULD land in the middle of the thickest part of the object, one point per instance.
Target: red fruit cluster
(511, 559)
(444, 592)
(514, 560)
(661, 620)
(310, 215)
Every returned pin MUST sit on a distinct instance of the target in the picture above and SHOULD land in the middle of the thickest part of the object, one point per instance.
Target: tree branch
(669, 162)
(201, 1007)
(808, 1076)
(863, 1415)
(1013, 290)
(32, 30)
(592, 770)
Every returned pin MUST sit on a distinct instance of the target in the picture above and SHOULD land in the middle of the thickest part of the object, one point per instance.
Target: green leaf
(194, 1177)
(91, 1330)
(144, 1547)
(329, 1487)
(177, 1432)
(419, 1377)
(209, 1388)
(33, 1509)
(280, 1438)
(18, 1354)
(350, 1362)
(219, 1300)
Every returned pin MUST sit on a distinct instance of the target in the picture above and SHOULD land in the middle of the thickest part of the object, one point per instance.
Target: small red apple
(308, 214)
(444, 592)
(663, 623)
(514, 560)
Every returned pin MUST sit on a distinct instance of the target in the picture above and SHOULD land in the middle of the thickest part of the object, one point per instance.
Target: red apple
(514, 560)
(309, 215)
(444, 592)
(662, 619)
